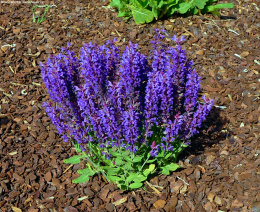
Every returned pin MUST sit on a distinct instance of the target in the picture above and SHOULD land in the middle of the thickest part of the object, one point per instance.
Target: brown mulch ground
(221, 168)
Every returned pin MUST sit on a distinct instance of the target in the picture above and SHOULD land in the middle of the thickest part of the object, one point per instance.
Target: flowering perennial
(117, 100)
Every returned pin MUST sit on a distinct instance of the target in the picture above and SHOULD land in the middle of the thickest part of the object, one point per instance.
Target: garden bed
(222, 166)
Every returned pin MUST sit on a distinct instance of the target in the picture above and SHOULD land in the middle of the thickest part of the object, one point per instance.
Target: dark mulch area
(222, 167)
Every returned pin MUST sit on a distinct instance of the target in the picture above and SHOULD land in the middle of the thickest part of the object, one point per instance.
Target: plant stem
(145, 162)
(122, 156)
(94, 165)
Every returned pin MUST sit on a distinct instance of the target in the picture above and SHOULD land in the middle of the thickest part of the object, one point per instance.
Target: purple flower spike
(178, 41)
(154, 149)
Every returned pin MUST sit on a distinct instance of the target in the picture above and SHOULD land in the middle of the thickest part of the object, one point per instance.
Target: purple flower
(192, 88)
(178, 41)
(163, 146)
(199, 116)
(154, 149)
(173, 128)
(82, 148)
(107, 155)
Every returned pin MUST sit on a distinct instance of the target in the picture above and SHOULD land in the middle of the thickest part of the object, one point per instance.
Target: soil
(222, 166)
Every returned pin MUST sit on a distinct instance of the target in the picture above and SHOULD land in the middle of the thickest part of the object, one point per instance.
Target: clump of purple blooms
(115, 100)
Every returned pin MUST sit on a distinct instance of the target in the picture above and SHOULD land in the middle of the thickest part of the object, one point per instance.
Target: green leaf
(171, 11)
(81, 179)
(115, 3)
(115, 154)
(170, 3)
(136, 185)
(160, 4)
(165, 171)
(126, 14)
(153, 3)
(128, 166)
(140, 3)
(137, 159)
(211, 1)
(151, 161)
(200, 3)
(122, 187)
(126, 153)
(168, 155)
(131, 177)
(127, 17)
(216, 13)
(77, 149)
(136, 178)
(151, 168)
(111, 170)
(184, 7)
(86, 171)
(142, 15)
(108, 162)
(218, 7)
(184, 146)
(146, 172)
(170, 167)
(74, 159)
(155, 12)
(173, 166)
(160, 154)
(127, 158)
(140, 178)
(119, 162)
(113, 178)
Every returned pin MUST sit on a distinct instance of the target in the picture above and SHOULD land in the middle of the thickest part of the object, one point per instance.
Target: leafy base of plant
(124, 168)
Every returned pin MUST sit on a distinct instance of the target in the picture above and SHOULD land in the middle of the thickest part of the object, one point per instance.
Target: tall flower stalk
(126, 112)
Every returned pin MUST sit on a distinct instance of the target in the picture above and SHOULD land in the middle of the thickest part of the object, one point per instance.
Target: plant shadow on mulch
(213, 130)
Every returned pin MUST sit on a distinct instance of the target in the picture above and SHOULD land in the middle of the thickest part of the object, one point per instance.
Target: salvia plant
(145, 11)
(129, 116)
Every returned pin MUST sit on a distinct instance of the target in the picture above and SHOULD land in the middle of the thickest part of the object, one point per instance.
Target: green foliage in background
(41, 18)
(145, 11)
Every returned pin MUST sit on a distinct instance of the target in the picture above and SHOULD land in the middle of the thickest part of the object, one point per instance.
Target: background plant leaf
(200, 3)
(184, 7)
(142, 15)
(217, 7)
(140, 3)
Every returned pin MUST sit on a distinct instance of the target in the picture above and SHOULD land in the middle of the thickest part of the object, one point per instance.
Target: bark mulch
(222, 167)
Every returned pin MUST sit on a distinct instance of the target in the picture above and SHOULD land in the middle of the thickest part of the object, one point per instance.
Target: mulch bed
(221, 168)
